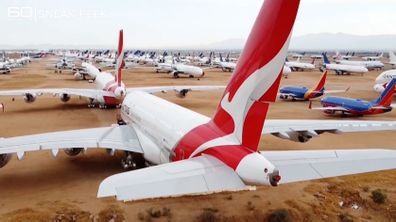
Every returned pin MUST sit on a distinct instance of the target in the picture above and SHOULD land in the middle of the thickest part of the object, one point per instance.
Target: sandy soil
(43, 188)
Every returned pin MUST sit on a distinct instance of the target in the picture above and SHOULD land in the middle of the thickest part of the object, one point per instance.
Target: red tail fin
(238, 122)
(256, 78)
(120, 58)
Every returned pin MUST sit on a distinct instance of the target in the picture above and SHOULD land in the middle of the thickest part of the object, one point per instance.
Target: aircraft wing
(285, 128)
(329, 108)
(90, 93)
(164, 89)
(204, 174)
(308, 165)
(335, 91)
(114, 137)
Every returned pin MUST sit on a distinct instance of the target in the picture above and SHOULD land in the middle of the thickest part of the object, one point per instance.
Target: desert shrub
(378, 196)
(366, 188)
(154, 213)
(345, 217)
(250, 206)
(208, 215)
(280, 215)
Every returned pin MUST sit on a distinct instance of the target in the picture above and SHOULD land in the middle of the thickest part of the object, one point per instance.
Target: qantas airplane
(109, 89)
(383, 79)
(342, 69)
(195, 154)
(382, 104)
(300, 66)
(304, 93)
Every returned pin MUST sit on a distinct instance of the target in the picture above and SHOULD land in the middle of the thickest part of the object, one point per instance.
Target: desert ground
(44, 188)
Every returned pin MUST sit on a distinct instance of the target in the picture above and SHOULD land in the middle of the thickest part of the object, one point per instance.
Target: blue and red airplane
(332, 105)
(304, 93)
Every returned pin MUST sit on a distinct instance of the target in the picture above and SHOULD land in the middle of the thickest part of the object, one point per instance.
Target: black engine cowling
(73, 151)
(64, 97)
(182, 93)
(29, 98)
(4, 159)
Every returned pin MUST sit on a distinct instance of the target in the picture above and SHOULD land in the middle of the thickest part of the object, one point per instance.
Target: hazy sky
(174, 23)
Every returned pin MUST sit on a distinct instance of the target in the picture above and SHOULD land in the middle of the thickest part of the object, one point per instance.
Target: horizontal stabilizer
(200, 175)
(308, 165)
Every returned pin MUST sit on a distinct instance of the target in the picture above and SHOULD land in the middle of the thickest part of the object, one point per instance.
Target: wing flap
(307, 165)
(114, 137)
(204, 174)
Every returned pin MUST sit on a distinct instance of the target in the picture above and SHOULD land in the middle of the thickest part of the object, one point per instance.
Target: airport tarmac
(44, 188)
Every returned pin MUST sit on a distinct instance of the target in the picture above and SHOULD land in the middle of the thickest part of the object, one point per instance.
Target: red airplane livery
(196, 154)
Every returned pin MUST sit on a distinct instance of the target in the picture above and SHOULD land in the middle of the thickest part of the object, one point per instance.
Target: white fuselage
(158, 132)
(104, 81)
(367, 64)
(346, 68)
(180, 69)
(299, 65)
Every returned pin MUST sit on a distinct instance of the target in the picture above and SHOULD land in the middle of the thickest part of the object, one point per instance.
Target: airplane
(373, 58)
(370, 65)
(304, 93)
(392, 58)
(383, 79)
(176, 69)
(300, 66)
(4, 68)
(195, 154)
(343, 57)
(342, 69)
(383, 104)
(109, 89)
(226, 66)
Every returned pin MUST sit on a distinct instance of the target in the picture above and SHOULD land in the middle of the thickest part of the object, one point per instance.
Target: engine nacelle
(78, 76)
(29, 97)
(301, 137)
(379, 88)
(64, 97)
(4, 159)
(182, 93)
(73, 151)
(119, 92)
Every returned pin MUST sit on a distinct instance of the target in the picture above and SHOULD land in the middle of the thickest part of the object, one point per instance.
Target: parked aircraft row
(195, 154)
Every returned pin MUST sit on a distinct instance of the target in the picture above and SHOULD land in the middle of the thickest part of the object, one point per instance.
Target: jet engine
(4, 159)
(73, 151)
(298, 136)
(119, 92)
(78, 76)
(182, 93)
(64, 97)
(29, 97)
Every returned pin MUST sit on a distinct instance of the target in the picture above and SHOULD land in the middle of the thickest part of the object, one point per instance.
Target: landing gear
(91, 105)
(133, 161)
(102, 106)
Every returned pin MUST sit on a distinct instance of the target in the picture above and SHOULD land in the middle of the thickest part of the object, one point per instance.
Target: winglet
(120, 58)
